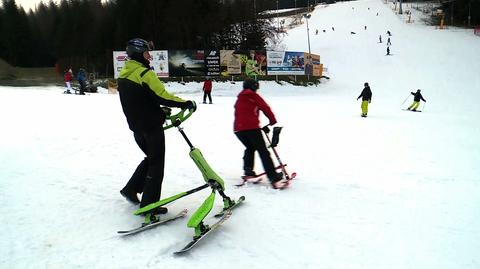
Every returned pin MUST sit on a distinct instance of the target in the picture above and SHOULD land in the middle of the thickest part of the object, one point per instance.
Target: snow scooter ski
(273, 142)
(212, 180)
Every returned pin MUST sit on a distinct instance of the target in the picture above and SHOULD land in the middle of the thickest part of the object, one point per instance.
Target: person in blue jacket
(82, 80)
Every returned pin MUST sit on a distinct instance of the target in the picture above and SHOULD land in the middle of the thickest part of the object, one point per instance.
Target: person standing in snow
(380, 39)
(247, 129)
(366, 95)
(388, 42)
(416, 100)
(141, 94)
(207, 90)
(68, 80)
(82, 80)
(388, 50)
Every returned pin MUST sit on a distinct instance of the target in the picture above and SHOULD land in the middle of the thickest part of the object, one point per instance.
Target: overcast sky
(30, 4)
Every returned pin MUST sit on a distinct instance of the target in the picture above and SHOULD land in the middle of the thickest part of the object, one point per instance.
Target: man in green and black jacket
(141, 94)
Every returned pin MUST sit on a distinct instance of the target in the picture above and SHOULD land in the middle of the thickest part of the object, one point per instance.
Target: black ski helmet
(138, 46)
(366, 84)
(251, 84)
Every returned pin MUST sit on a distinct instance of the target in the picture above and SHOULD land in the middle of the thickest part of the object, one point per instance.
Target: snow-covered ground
(394, 190)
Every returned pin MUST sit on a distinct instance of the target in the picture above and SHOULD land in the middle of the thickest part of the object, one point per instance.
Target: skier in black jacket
(366, 99)
(141, 94)
(416, 100)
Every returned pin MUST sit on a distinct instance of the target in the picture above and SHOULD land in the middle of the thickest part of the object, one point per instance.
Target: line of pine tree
(83, 33)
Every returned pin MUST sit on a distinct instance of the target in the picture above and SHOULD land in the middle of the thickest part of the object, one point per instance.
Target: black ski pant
(148, 176)
(253, 141)
(83, 86)
(209, 94)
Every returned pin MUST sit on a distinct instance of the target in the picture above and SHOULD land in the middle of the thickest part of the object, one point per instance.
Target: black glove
(191, 105)
(167, 110)
(266, 129)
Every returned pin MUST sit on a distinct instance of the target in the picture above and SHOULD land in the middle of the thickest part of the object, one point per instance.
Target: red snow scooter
(273, 142)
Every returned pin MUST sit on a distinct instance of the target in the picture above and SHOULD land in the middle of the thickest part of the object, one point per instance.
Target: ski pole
(405, 100)
(424, 104)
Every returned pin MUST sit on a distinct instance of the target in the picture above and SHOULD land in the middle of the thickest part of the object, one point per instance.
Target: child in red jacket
(248, 131)
(207, 90)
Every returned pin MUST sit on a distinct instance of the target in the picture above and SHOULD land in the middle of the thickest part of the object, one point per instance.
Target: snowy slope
(394, 190)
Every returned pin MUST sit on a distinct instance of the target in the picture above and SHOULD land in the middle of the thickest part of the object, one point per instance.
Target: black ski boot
(279, 182)
(131, 196)
(249, 173)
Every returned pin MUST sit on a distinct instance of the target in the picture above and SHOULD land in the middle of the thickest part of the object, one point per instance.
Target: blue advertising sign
(285, 63)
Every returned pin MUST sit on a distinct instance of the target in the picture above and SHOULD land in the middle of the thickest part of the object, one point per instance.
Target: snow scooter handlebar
(273, 143)
(176, 119)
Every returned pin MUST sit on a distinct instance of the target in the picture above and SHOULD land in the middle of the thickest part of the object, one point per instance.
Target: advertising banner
(249, 62)
(312, 65)
(212, 62)
(230, 63)
(119, 59)
(285, 63)
(159, 62)
(186, 63)
(255, 62)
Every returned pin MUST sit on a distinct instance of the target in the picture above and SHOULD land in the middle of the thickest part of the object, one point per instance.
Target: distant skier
(389, 34)
(365, 27)
(247, 129)
(416, 100)
(207, 90)
(141, 94)
(388, 42)
(68, 80)
(388, 50)
(333, 29)
(316, 32)
(366, 95)
(380, 39)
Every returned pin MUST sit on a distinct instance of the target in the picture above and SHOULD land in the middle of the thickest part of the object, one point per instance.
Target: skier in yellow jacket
(141, 94)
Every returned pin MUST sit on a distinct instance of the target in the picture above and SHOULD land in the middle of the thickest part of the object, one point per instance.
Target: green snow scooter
(212, 180)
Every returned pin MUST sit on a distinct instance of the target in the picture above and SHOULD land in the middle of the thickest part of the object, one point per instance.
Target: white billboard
(159, 62)
(285, 63)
